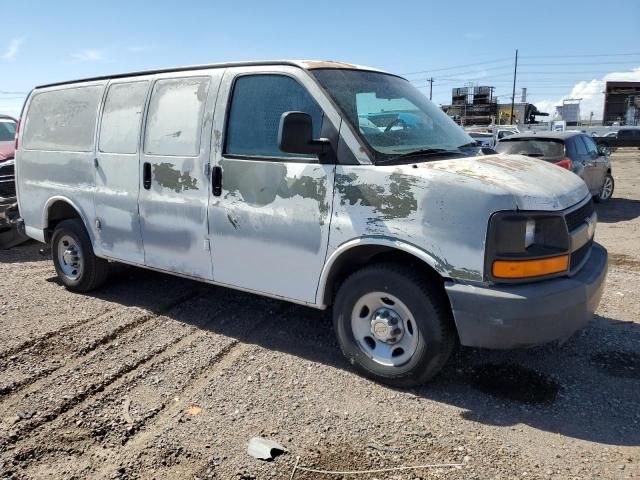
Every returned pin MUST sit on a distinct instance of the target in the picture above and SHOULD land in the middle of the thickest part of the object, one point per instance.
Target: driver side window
(257, 104)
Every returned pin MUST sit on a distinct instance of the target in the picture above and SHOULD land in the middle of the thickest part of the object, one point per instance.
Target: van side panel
(176, 151)
(118, 170)
(56, 152)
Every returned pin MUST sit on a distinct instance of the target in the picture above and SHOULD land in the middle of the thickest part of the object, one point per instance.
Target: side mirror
(604, 150)
(295, 135)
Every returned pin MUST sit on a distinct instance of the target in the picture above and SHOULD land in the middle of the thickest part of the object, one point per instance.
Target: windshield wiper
(425, 152)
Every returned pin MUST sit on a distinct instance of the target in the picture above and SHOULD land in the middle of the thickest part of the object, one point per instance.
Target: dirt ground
(103, 385)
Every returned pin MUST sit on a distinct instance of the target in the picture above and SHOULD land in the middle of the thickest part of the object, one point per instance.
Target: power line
(457, 66)
(576, 63)
(584, 55)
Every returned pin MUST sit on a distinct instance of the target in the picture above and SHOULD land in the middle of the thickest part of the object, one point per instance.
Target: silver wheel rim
(607, 189)
(384, 329)
(70, 257)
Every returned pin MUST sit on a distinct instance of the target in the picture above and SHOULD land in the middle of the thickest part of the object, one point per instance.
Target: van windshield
(392, 116)
(7, 131)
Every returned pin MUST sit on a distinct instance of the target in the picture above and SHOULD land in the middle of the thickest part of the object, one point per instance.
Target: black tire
(599, 198)
(428, 306)
(94, 270)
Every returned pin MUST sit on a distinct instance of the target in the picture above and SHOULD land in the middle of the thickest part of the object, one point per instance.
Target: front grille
(7, 169)
(577, 217)
(579, 255)
(8, 188)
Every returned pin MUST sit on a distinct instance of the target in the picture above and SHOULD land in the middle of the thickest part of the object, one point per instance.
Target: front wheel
(393, 325)
(73, 258)
(606, 192)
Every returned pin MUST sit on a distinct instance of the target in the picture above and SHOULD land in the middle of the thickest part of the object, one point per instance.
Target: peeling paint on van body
(279, 224)
(443, 207)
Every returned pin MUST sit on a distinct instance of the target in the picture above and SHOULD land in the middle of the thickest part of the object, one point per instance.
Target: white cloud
(89, 55)
(13, 48)
(591, 93)
(138, 48)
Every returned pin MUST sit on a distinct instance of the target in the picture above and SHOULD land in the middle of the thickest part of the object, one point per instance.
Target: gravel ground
(154, 376)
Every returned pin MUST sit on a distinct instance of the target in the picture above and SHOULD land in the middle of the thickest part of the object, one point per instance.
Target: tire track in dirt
(48, 335)
(47, 354)
(140, 452)
(149, 391)
(99, 426)
(82, 377)
(160, 450)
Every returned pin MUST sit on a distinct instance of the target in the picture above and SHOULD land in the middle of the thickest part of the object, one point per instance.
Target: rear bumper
(503, 317)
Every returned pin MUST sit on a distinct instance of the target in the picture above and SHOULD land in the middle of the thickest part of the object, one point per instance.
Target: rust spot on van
(328, 64)
(167, 176)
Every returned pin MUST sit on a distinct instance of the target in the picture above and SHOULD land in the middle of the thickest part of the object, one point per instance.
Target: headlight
(525, 245)
(529, 233)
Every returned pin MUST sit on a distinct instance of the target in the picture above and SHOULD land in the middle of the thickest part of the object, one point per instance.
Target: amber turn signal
(530, 268)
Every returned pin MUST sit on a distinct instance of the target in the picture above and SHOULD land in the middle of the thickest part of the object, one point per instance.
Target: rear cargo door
(174, 182)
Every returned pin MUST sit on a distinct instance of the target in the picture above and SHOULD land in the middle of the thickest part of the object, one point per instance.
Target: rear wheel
(393, 325)
(73, 258)
(606, 192)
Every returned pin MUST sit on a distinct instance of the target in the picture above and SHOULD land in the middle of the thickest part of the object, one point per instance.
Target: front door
(270, 223)
(174, 163)
(117, 171)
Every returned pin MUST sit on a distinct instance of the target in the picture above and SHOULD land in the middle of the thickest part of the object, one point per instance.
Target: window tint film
(581, 148)
(7, 130)
(592, 148)
(120, 128)
(257, 105)
(62, 120)
(545, 149)
(174, 120)
(625, 133)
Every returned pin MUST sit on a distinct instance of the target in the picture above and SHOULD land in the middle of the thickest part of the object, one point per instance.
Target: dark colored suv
(574, 151)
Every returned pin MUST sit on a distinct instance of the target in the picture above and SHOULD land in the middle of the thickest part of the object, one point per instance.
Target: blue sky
(45, 41)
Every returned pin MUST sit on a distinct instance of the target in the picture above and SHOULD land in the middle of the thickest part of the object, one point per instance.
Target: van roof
(305, 64)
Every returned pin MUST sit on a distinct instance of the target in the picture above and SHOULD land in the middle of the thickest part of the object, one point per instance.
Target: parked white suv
(320, 183)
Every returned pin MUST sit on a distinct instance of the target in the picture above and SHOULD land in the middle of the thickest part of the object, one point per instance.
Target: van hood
(534, 184)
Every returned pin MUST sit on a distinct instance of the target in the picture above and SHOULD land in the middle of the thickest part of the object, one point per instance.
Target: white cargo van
(320, 183)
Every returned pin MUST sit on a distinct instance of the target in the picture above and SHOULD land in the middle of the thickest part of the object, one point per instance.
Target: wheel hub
(71, 258)
(386, 326)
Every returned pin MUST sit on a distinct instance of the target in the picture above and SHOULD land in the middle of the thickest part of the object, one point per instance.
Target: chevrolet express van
(320, 183)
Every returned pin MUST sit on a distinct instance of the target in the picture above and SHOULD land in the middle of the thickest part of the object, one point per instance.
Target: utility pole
(513, 93)
(430, 88)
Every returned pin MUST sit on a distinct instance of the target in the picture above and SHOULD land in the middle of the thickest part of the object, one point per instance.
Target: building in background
(478, 106)
(569, 111)
(622, 103)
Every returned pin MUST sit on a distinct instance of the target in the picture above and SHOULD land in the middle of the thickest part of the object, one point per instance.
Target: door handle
(216, 181)
(146, 175)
